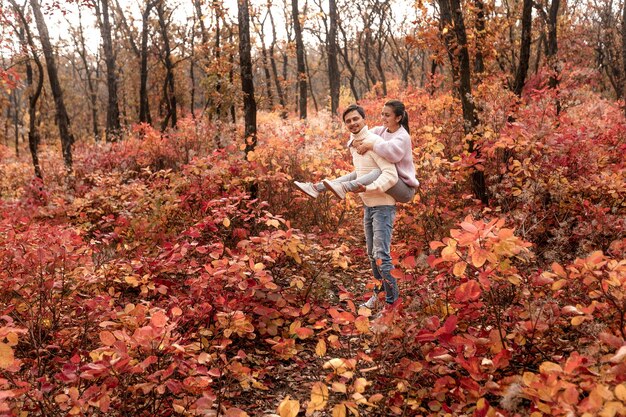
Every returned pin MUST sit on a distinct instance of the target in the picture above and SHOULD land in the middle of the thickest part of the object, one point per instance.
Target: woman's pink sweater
(396, 147)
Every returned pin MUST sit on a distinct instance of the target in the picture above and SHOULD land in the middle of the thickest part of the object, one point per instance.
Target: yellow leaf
(576, 321)
(612, 408)
(226, 222)
(558, 284)
(360, 384)
(235, 412)
(288, 408)
(362, 324)
(459, 269)
(6, 356)
(339, 410)
(528, 378)
(339, 365)
(514, 279)
(339, 387)
(449, 252)
(294, 326)
(620, 392)
(548, 367)
(320, 349)
(12, 339)
(131, 280)
(319, 397)
(273, 222)
(479, 257)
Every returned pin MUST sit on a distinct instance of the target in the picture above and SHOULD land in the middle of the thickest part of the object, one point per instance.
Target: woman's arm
(393, 149)
(388, 177)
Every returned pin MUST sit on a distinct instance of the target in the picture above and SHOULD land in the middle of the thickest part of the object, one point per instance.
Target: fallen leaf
(288, 408)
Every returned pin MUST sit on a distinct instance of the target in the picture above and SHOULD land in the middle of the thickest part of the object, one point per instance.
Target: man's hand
(360, 188)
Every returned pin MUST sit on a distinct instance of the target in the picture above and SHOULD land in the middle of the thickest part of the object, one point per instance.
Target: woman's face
(389, 118)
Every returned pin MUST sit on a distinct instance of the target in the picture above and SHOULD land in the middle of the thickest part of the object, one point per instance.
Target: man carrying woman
(376, 179)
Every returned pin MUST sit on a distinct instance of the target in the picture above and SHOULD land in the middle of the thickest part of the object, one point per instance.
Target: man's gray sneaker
(371, 303)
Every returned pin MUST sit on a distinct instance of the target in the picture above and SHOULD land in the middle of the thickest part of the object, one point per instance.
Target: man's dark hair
(353, 107)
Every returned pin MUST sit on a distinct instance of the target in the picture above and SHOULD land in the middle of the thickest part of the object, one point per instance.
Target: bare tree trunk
(333, 66)
(144, 105)
(91, 87)
(379, 65)
(552, 50)
(540, 43)
(301, 65)
(277, 82)
(33, 97)
(431, 77)
(113, 129)
(452, 19)
(623, 49)
(218, 55)
(310, 83)
(479, 62)
(63, 120)
(368, 63)
(192, 73)
(169, 92)
(231, 79)
(247, 84)
(346, 60)
(217, 51)
(264, 59)
(423, 69)
(524, 55)
(15, 104)
(34, 90)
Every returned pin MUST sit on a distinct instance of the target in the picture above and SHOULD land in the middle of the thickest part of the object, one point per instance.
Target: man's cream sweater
(374, 194)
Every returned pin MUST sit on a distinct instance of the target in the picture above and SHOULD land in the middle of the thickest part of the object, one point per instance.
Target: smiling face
(354, 121)
(389, 118)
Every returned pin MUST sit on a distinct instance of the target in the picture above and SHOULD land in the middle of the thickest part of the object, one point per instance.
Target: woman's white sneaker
(307, 188)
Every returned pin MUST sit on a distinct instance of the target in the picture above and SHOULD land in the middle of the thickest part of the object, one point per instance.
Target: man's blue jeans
(378, 225)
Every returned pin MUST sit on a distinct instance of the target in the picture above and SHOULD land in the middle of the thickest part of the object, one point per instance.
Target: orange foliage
(154, 284)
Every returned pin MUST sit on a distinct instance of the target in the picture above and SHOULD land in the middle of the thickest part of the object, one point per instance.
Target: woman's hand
(362, 147)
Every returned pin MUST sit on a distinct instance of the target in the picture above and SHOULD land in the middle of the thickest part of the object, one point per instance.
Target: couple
(384, 175)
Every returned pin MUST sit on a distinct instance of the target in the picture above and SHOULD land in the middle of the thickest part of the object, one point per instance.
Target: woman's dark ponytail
(400, 110)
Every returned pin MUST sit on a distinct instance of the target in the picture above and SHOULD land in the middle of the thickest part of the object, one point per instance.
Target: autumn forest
(157, 257)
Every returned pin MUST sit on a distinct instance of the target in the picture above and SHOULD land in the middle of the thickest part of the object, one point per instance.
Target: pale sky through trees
(183, 10)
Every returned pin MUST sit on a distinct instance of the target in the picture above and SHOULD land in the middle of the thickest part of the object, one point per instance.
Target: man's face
(354, 121)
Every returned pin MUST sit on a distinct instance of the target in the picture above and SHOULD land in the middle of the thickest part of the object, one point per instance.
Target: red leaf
(467, 291)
